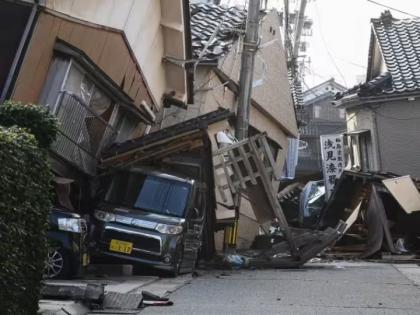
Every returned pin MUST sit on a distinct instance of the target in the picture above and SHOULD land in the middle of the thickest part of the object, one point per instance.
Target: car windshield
(149, 193)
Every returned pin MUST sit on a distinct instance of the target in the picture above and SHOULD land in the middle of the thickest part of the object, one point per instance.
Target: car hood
(141, 214)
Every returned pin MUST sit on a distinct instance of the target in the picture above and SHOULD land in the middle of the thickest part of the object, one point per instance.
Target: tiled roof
(297, 91)
(377, 86)
(399, 42)
(400, 45)
(216, 24)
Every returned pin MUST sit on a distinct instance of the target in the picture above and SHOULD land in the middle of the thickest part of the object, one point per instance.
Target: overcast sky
(341, 33)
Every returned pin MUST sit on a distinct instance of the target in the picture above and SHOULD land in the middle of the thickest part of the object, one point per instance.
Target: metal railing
(82, 132)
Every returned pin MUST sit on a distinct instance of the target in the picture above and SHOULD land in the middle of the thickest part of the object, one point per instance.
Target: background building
(319, 117)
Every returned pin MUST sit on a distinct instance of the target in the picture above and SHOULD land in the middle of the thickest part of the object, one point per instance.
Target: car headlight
(169, 229)
(70, 225)
(104, 216)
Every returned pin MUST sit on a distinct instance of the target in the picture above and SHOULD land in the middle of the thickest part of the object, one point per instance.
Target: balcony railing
(83, 133)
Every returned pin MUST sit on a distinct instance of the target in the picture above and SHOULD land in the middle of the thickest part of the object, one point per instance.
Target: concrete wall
(154, 29)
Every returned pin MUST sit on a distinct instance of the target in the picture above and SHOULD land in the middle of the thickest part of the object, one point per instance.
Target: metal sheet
(405, 192)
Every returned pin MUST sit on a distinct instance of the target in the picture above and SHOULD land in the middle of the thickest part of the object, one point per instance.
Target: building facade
(319, 117)
(104, 69)
(383, 114)
(216, 43)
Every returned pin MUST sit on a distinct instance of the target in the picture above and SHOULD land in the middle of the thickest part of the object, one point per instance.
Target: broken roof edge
(200, 122)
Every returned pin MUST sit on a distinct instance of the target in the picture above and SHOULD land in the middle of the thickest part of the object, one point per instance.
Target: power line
(394, 9)
(326, 47)
(352, 63)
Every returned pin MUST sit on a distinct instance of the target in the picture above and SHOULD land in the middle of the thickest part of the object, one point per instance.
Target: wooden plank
(269, 154)
(272, 198)
(230, 147)
(229, 180)
(237, 172)
(248, 166)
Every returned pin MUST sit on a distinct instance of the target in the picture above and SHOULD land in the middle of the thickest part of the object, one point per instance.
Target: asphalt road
(332, 288)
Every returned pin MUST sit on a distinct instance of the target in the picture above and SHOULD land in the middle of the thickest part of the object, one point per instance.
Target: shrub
(34, 118)
(25, 179)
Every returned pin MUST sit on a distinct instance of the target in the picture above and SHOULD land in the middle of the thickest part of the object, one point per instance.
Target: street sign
(332, 160)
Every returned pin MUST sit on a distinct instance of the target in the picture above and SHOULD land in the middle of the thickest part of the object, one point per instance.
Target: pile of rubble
(382, 212)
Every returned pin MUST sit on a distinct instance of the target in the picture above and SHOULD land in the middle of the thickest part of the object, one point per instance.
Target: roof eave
(354, 100)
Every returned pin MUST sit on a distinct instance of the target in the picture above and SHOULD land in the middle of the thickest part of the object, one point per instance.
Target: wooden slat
(229, 180)
(238, 172)
(272, 198)
(269, 155)
(248, 166)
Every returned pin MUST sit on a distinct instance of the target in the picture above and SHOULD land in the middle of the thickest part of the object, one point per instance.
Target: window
(342, 113)
(90, 118)
(149, 193)
(317, 111)
(357, 150)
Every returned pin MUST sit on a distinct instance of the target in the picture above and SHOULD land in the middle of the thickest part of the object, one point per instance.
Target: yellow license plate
(121, 246)
(86, 260)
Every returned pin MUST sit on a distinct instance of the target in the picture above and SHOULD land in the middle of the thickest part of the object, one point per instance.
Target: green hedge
(32, 117)
(25, 201)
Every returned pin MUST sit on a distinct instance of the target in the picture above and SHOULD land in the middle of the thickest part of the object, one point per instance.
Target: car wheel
(57, 264)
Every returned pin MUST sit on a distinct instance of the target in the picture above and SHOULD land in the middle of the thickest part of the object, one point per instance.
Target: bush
(34, 118)
(25, 179)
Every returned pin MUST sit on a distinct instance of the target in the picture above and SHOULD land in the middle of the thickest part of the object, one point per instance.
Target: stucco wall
(271, 84)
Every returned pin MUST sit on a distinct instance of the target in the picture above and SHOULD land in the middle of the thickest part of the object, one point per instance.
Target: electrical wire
(325, 45)
(394, 9)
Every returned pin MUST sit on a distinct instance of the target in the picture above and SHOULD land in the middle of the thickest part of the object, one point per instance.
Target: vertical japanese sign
(332, 160)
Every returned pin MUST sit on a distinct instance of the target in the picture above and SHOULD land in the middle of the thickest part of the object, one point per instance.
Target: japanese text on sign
(332, 160)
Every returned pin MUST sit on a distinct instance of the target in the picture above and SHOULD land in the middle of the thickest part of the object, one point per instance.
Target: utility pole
(299, 26)
(247, 69)
(249, 50)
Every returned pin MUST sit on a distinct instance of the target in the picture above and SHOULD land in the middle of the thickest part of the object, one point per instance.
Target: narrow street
(318, 288)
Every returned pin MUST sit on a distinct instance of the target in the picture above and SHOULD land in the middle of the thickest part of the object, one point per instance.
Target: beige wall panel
(129, 76)
(114, 57)
(66, 29)
(247, 230)
(106, 48)
(30, 80)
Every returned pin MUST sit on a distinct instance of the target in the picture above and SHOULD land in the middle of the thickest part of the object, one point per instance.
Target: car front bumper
(148, 247)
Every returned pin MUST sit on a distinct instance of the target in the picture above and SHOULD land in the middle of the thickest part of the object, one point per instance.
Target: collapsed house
(382, 211)
(104, 73)
(216, 33)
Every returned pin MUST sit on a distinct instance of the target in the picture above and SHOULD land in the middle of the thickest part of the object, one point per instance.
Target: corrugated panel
(399, 137)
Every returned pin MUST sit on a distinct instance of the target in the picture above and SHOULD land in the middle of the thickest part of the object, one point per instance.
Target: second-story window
(90, 118)
(317, 111)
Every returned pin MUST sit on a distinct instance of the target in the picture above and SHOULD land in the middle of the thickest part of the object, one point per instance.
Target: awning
(182, 136)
